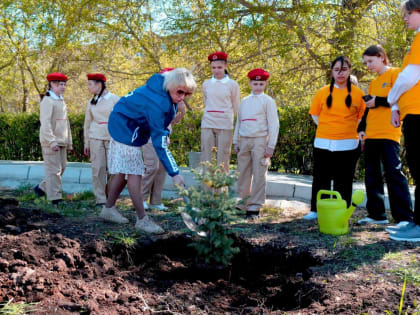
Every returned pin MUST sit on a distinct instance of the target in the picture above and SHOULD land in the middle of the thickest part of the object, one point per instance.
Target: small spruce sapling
(213, 207)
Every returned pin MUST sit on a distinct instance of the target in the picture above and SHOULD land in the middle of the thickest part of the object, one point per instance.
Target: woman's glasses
(182, 92)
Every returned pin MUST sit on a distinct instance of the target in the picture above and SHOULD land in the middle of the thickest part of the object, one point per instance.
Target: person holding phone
(382, 145)
(405, 101)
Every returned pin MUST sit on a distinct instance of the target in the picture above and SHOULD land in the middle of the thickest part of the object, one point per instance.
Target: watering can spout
(356, 200)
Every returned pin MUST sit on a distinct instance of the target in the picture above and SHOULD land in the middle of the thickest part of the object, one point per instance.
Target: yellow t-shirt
(338, 122)
(409, 102)
(378, 122)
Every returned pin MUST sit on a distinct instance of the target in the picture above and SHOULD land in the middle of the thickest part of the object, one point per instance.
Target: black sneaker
(252, 214)
(38, 191)
(56, 202)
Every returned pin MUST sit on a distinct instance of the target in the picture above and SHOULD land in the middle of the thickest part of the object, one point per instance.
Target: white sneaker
(368, 220)
(311, 216)
(145, 206)
(148, 225)
(402, 226)
(112, 215)
(160, 207)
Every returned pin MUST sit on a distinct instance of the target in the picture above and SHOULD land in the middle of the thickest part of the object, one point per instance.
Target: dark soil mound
(71, 274)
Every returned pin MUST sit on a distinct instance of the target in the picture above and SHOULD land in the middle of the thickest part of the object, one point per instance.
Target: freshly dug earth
(55, 262)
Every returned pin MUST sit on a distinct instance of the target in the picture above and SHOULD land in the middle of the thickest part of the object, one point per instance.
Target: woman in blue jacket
(143, 113)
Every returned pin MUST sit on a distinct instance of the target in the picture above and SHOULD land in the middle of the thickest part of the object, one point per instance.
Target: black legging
(338, 166)
(411, 131)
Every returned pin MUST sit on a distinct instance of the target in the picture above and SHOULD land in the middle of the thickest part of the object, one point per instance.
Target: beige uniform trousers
(252, 166)
(219, 138)
(54, 163)
(99, 164)
(154, 175)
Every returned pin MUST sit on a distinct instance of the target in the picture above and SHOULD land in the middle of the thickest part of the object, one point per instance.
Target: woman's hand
(86, 151)
(395, 118)
(268, 152)
(236, 148)
(180, 114)
(178, 180)
(371, 102)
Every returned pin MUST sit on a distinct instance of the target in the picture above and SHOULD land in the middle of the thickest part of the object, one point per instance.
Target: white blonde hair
(179, 77)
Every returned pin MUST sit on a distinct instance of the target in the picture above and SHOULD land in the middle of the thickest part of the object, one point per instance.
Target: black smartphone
(367, 98)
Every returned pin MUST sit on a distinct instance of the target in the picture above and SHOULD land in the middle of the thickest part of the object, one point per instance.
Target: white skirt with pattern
(124, 159)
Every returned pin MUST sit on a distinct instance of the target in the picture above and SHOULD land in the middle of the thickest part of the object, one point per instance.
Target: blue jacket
(143, 113)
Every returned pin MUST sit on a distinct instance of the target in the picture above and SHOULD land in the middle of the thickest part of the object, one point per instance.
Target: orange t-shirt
(409, 102)
(338, 122)
(378, 121)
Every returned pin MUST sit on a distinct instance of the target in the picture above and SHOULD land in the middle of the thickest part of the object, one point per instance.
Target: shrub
(213, 207)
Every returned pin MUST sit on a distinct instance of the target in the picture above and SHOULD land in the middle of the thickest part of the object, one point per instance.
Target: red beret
(96, 76)
(57, 76)
(166, 70)
(218, 55)
(258, 74)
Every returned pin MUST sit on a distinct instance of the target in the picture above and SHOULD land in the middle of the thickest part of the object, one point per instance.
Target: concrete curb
(78, 178)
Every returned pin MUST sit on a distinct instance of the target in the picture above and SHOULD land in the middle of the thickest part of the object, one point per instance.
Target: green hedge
(19, 137)
(19, 140)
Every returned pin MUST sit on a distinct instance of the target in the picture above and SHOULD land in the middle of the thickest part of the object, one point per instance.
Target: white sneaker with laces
(112, 215)
(402, 226)
(145, 206)
(311, 216)
(148, 225)
(160, 207)
(368, 220)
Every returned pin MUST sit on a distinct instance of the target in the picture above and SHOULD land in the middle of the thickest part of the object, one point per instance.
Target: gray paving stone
(78, 178)
(14, 172)
(36, 172)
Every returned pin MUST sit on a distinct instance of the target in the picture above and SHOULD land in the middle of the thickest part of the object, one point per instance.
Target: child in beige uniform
(55, 137)
(254, 140)
(96, 135)
(221, 101)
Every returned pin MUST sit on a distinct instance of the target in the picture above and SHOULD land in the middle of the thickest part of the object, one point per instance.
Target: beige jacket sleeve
(236, 135)
(86, 126)
(236, 98)
(45, 117)
(273, 124)
(70, 144)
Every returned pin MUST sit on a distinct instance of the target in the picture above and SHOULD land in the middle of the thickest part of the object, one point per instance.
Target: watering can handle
(328, 192)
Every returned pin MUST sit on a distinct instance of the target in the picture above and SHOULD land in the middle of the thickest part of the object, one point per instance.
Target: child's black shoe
(38, 191)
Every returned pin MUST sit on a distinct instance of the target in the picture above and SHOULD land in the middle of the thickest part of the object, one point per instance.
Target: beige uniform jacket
(221, 101)
(96, 118)
(257, 117)
(55, 126)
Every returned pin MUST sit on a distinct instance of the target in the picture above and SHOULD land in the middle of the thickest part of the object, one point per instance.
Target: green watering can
(333, 215)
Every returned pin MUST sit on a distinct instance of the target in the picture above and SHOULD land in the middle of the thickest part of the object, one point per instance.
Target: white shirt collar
(55, 96)
(105, 97)
(337, 87)
(224, 80)
(258, 95)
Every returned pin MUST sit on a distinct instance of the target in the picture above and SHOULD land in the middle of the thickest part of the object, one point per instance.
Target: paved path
(78, 177)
